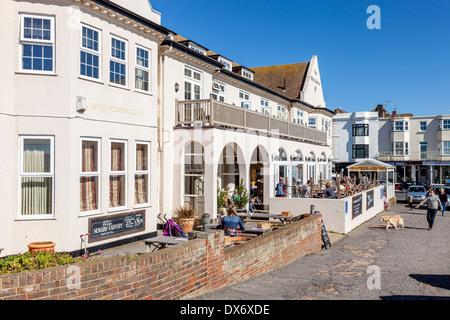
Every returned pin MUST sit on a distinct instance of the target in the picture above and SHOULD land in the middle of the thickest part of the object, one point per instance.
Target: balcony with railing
(212, 113)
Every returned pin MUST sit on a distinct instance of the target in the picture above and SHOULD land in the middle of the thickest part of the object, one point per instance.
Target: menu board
(357, 206)
(116, 225)
(370, 199)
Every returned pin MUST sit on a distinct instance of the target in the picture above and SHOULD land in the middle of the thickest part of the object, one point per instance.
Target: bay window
(90, 53)
(37, 43)
(117, 174)
(118, 62)
(142, 174)
(89, 176)
(142, 70)
(36, 176)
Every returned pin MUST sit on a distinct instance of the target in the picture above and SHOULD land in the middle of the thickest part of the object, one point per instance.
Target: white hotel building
(109, 118)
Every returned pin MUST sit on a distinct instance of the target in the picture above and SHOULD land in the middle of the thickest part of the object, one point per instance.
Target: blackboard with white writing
(325, 238)
(115, 226)
(357, 206)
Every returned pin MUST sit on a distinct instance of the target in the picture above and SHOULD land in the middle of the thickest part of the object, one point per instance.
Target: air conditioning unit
(81, 104)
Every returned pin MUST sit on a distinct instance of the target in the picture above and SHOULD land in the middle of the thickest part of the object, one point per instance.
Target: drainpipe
(160, 107)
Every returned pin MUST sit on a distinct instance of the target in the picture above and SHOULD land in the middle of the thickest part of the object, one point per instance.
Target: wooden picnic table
(280, 217)
(255, 230)
(161, 242)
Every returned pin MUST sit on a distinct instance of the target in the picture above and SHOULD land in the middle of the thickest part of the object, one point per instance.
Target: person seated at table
(329, 191)
(232, 222)
(342, 187)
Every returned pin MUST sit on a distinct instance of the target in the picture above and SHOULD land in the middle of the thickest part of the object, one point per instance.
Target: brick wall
(179, 272)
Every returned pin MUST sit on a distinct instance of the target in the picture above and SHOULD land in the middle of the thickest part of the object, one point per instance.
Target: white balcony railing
(211, 113)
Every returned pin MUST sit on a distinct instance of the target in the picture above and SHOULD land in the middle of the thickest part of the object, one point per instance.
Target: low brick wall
(179, 272)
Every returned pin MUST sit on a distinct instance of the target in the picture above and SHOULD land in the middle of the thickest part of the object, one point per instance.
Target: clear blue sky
(407, 61)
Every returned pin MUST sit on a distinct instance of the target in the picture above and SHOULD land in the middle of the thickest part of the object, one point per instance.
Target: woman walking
(443, 197)
(434, 203)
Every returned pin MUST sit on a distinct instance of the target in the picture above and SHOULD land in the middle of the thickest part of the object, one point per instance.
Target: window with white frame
(118, 62)
(89, 175)
(444, 124)
(218, 91)
(90, 52)
(192, 84)
(444, 148)
(36, 176)
(37, 43)
(399, 125)
(265, 108)
(423, 126)
(244, 98)
(400, 148)
(299, 117)
(282, 112)
(117, 174)
(142, 69)
(142, 174)
(312, 122)
(423, 145)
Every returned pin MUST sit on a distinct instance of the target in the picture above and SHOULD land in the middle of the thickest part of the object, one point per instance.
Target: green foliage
(29, 262)
(186, 212)
(221, 196)
(242, 196)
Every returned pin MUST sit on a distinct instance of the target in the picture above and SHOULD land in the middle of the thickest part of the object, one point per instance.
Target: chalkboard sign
(357, 206)
(117, 225)
(370, 199)
(325, 239)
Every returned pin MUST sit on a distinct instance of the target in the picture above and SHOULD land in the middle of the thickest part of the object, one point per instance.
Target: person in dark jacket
(434, 204)
(444, 199)
(232, 222)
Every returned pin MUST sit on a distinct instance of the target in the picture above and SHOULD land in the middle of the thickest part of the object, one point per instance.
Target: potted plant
(241, 197)
(185, 217)
(41, 246)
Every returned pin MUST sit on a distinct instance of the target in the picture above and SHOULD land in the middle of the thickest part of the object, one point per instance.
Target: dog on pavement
(394, 221)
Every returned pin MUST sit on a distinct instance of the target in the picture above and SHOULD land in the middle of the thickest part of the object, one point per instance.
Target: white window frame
(23, 174)
(193, 81)
(310, 122)
(118, 173)
(299, 117)
(92, 173)
(142, 172)
(423, 123)
(282, 112)
(265, 107)
(402, 125)
(403, 150)
(444, 124)
(245, 100)
(97, 53)
(219, 91)
(442, 148)
(28, 41)
(118, 60)
(142, 68)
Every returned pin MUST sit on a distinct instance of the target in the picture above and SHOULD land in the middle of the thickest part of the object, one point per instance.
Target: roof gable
(140, 7)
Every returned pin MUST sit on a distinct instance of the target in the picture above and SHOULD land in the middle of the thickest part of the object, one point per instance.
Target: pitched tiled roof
(287, 79)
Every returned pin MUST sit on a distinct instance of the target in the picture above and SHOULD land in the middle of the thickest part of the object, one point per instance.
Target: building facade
(355, 138)
(110, 119)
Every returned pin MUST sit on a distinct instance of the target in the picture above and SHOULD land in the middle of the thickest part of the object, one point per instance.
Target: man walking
(434, 203)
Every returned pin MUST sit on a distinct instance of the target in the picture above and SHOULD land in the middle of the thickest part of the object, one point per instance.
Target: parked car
(405, 185)
(416, 193)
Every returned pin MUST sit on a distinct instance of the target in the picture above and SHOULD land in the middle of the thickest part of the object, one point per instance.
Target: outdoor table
(255, 230)
(161, 242)
(283, 219)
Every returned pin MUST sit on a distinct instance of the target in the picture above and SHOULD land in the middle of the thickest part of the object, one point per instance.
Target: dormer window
(225, 62)
(247, 74)
(195, 47)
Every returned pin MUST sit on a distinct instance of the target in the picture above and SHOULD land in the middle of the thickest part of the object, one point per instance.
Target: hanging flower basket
(41, 246)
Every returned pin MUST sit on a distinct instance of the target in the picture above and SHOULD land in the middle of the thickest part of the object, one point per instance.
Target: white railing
(210, 112)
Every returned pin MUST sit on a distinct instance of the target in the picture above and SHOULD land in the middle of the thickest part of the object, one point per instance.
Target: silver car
(416, 194)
